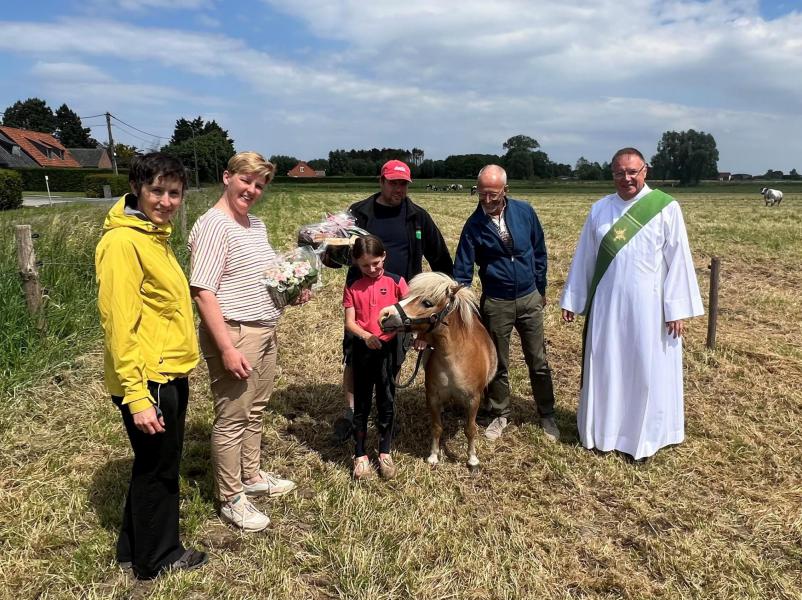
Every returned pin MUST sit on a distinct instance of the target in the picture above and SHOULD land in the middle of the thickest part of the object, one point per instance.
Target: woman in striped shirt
(230, 252)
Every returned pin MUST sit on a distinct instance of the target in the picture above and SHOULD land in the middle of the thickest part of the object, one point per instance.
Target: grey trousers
(525, 314)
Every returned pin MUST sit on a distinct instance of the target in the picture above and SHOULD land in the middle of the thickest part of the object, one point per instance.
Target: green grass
(716, 517)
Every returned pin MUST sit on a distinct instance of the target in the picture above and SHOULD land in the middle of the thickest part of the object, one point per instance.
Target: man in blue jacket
(504, 238)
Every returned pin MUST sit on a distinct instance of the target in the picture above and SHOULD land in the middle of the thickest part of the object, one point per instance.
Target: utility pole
(216, 169)
(112, 154)
(195, 151)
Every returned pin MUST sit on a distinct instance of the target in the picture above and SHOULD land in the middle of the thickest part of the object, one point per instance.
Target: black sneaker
(191, 559)
(342, 430)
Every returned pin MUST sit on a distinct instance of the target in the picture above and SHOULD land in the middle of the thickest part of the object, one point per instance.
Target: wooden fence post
(26, 262)
(712, 309)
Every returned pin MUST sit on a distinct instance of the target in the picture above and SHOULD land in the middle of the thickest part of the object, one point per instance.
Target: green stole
(623, 230)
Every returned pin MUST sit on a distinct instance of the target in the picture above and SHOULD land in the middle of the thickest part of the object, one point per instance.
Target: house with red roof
(304, 170)
(23, 145)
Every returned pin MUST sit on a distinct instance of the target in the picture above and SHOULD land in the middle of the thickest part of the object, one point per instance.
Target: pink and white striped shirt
(229, 260)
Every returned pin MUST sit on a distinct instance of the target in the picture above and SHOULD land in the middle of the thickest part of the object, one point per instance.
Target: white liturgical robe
(631, 398)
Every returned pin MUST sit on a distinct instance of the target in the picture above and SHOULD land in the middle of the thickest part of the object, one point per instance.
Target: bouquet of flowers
(290, 273)
(333, 237)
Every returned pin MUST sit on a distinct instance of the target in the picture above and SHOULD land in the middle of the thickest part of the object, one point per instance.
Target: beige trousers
(239, 403)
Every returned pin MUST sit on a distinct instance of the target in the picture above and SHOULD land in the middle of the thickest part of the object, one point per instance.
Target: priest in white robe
(631, 396)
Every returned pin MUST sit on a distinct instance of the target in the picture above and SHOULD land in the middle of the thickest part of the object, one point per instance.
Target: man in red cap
(409, 235)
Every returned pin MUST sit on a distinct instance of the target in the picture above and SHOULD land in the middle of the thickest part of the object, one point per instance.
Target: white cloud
(69, 72)
(146, 5)
(456, 77)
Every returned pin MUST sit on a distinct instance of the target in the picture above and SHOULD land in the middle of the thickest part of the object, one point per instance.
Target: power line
(133, 135)
(92, 117)
(161, 137)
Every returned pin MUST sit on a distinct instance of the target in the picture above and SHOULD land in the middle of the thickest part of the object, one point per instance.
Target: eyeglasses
(490, 195)
(629, 173)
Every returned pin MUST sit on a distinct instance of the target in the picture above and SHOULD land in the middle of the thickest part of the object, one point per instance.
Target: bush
(10, 190)
(94, 185)
(326, 180)
(60, 180)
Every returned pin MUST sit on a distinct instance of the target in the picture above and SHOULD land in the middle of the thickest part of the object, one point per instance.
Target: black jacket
(425, 239)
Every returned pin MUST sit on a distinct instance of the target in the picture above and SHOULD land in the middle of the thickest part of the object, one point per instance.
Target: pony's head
(431, 298)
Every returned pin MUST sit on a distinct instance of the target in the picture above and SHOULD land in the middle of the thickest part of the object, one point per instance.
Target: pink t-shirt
(368, 296)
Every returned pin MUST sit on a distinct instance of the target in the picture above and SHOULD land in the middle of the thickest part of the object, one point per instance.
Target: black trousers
(374, 369)
(149, 533)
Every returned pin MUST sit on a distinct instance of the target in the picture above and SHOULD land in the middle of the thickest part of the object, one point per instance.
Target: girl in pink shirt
(375, 361)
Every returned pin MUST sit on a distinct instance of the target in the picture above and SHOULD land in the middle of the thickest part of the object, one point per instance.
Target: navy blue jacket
(505, 274)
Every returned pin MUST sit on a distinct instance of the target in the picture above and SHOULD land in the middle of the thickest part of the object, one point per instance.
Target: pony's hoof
(433, 460)
(473, 467)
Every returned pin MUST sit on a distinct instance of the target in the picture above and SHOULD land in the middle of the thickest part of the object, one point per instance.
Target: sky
(304, 77)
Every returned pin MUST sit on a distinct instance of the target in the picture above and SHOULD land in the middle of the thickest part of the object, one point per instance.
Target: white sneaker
(241, 513)
(496, 428)
(271, 486)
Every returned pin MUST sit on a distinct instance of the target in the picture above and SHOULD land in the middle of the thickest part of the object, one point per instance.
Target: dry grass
(716, 517)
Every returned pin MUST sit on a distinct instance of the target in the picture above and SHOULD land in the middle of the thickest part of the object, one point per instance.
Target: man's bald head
(492, 176)
(492, 189)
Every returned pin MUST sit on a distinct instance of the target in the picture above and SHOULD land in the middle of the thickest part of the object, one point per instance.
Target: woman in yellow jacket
(150, 349)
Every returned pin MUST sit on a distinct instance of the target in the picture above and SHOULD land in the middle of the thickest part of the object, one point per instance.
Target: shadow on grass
(110, 481)
(311, 411)
(107, 492)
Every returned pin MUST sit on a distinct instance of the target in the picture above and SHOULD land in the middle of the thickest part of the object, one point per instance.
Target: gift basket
(332, 238)
(290, 273)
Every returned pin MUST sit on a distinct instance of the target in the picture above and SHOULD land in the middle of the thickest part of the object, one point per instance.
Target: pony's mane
(435, 286)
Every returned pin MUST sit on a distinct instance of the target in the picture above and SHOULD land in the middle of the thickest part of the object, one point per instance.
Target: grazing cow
(473, 189)
(772, 197)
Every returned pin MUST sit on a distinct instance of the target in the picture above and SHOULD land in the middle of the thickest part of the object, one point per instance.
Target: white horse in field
(772, 197)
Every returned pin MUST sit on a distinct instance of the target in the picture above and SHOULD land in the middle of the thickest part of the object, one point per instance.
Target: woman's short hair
(367, 244)
(252, 163)
(147, 168)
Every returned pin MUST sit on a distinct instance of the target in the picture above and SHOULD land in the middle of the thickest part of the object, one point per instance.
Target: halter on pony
(434, 320)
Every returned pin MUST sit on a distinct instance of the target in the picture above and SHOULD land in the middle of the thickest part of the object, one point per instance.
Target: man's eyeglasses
(490, 195)
(629, 173)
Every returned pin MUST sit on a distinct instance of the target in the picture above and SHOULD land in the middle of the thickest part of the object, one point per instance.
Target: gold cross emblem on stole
(620, 235)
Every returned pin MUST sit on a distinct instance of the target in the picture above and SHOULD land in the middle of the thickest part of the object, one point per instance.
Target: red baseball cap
(395, 169)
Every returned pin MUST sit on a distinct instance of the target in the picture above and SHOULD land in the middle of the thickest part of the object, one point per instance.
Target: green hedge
(94, 185)
(325, 180)
(61, 180)
(10, 190)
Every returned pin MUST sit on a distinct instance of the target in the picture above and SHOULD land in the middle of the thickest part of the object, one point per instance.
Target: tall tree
(210, 142)
(519, 164)
(70, 131)
(33, 114)
(686, 155)
(587, 171)
(319, 164)
(520, 142)
(338, 162)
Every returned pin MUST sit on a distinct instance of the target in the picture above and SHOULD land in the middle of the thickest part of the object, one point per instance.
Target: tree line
(687, 156)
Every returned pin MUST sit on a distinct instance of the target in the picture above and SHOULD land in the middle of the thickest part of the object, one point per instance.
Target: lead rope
(418, 362)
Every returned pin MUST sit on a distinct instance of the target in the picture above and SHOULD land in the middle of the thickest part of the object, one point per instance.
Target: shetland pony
(463, 361)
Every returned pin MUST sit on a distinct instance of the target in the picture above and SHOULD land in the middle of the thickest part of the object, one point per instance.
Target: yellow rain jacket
(145, 307)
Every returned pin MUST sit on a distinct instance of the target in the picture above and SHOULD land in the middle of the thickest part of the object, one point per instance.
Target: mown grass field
(719, 516)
